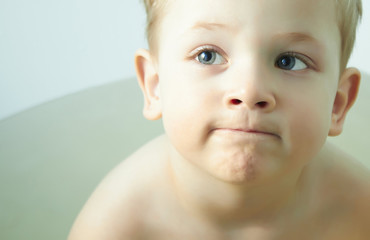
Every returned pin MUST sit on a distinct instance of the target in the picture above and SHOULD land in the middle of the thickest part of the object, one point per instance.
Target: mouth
(247, 131)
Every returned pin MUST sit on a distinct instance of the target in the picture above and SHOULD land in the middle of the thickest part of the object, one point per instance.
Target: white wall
(360, 57)
(50, 48)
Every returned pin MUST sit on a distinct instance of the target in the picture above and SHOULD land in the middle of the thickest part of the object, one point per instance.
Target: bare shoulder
(341, 168)
(346, 186)
(117, 207)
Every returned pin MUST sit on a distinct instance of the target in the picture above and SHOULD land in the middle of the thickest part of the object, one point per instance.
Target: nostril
(261, 104)
(235, 101)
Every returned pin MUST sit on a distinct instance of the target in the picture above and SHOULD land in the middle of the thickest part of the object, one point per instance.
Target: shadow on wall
(53, 156)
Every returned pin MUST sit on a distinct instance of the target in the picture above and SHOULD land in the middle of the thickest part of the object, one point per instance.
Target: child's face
(247, 87)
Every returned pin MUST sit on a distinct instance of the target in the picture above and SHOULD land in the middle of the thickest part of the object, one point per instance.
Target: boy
(248, 92)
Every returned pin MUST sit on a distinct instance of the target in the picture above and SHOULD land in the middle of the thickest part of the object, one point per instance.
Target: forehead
(246, 10)
(256, 19)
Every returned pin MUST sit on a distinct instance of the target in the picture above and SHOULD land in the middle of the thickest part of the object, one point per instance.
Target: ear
(147, 77)
(349, 84)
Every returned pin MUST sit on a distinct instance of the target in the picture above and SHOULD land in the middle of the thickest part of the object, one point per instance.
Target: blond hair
(154, 12)
(349, 12)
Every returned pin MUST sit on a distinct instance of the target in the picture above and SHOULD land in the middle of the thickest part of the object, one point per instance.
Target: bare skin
(143, 199)
(248, 92)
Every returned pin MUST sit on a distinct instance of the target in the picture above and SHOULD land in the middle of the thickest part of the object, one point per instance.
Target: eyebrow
(298, 37)
(210, 26)
(294, 37)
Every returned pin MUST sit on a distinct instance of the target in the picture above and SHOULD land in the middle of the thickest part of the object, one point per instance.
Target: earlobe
(148, 79)
(349, 84)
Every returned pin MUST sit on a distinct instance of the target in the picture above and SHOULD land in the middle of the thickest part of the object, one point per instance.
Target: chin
(238, 170)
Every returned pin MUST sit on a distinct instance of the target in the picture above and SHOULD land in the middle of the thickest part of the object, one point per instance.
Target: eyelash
(305, 59)
(210, 48)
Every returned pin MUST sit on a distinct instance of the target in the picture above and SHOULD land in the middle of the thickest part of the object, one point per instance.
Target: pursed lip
(248, 131)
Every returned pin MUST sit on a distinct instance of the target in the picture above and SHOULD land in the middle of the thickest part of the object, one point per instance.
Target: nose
(252, 95)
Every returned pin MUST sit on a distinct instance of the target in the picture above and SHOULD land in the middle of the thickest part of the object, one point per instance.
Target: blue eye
(290, 62)
(210, 57)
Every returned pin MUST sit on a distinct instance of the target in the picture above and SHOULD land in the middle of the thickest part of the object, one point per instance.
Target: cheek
(184, 113)
(310, 108)
(190, 104)
(188, 97)
(309, 123)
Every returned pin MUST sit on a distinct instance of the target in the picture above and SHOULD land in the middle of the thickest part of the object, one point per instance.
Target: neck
(226, 203)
